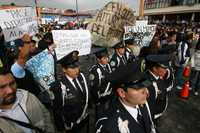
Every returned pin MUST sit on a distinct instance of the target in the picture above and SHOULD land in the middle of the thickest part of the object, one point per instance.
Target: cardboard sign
(108, 27)
(69, 40)
(42, 68)
(15, 22)
(142, 33)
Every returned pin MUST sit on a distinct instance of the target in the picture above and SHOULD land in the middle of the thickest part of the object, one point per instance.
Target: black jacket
(118, 115)
(69, 103)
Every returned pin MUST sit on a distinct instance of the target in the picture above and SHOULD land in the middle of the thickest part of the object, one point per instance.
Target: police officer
(71, 97)
(130, 112)
(159, 72)
(118, 59)
(100, 88)
(130, 45)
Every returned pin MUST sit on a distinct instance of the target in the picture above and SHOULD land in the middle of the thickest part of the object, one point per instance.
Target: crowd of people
(128, 92)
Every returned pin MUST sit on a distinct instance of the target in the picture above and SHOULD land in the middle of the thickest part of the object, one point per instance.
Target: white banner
(17, 21)
(69, 40)
(142, 33)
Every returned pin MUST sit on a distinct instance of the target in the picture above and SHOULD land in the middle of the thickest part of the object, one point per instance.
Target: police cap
(70, 60)
(129, 76)
(161, 60)
(129, 41)
(99, 51)
(119, 45)
(167, 49)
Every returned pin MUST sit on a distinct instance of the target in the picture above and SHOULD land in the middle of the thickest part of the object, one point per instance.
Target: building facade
(172, 11)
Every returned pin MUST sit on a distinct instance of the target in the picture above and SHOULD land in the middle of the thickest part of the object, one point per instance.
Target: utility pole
(36, 7)
(77, 10)
(141, 9)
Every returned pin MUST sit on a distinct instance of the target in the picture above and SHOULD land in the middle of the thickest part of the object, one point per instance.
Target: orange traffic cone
(185, 90)
(186, 71)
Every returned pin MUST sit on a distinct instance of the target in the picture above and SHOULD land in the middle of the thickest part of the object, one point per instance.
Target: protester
(184, 44)
(195, 75)
(22, 76)
(20, 111)
(130, 112)
(153, 47)
(3, 57)
(2, 44)
(71, 94)
(46, 41)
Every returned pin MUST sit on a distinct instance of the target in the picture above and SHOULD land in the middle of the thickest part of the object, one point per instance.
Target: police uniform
(121, 118)
(158, 99)
(1, 65)
(71, 99)
(129, 52)
(100, 88)
(118, 60)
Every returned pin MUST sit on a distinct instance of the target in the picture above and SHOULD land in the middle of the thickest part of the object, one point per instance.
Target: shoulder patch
(112, 63)
(91, 77)
(1, 63)
(142, 66)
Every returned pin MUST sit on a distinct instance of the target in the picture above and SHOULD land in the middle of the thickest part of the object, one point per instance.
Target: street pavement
(182, 115)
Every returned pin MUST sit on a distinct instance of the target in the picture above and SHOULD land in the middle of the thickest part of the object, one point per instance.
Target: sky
(83, 5)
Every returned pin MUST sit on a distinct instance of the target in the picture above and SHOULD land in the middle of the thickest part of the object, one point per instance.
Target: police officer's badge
(75, 55)
(123, 126)
(91, 77)
(112, 63)
(1, 64)
(142, 65)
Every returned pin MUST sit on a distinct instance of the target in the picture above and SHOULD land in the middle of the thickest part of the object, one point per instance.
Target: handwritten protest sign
(108, 27)
(69, 40)
(42, 68)
(15, 22)
(142, 33)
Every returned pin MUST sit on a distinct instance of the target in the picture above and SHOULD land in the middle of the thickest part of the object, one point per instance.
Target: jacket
(36, 112)
(70, 105)
(118, 120)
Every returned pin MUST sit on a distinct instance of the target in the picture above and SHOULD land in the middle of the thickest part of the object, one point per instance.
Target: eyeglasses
(11, 84)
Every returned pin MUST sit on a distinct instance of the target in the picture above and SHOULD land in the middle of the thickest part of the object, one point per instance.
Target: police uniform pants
(82, 127)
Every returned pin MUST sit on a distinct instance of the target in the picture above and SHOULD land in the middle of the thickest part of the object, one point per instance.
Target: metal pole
(77, 10)
(36, 5)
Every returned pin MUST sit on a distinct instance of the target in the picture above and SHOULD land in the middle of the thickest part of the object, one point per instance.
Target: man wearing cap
(100, 88)
(20, 111)
(130, 112)
(159, 72)
(118, 59)
(130, 45)
(70, 105)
